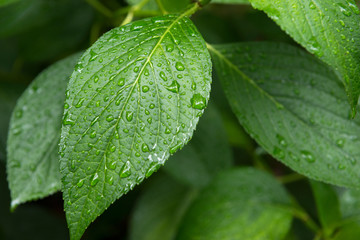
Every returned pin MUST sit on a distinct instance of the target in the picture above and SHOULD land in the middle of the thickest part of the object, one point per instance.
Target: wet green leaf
(327, 204)
(207, 154)
(242, 204)
(327, 29)
(294, 106)
(33, 161)
(159, 209)
(134, 99)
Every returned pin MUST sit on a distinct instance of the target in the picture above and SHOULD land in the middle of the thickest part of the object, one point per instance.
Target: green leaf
(199, 161)
(294, 107)
(29, 14)
(242, 204)
(326, 29)
(159, 209)
(350, 203)
(348, 232)
(135, 98)
(230, 1)
(7, 2)
(33, 161)
(327, 204)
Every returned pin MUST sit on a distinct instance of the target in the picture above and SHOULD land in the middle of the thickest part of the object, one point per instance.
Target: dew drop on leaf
(198, 101)
(306, 155)
(125, 170)
(173, 87)
(179, 66)
(94, 180)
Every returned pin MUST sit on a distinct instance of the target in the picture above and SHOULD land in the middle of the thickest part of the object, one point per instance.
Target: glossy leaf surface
(294, 107)
(327, 29)
(134, 99)
(242, 204)
(33, 161)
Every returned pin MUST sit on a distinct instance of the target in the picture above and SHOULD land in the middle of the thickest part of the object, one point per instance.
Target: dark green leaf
(294, 107)
(160, 209)
(327, 205)
(244, 204)
(328, 29)
(207, 153)
(33, 161)
(29, 14)
(7, 2)
(134, 99)
(170, 6)
(231, 1)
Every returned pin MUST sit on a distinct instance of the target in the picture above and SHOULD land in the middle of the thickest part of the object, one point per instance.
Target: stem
(161, 7)
(130, 15)
(100, 7)
(301, 214)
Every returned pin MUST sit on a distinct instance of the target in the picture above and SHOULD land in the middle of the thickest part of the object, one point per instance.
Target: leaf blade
(288, 112)
(32, 165)
(326, 30)
(130, 107)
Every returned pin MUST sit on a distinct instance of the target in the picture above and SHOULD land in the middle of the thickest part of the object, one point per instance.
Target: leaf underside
(328, 29)
(134, 98)
(32, 146)
(294, 107)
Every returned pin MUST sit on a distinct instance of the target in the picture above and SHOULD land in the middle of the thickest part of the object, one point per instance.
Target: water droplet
(80, 183)
(278, 153)
(179, 66)
(121, 82)
(281, 140)
(306, 155)
(66, 106)
(173, 87)
(340, 142)
(112, 165)
(78, 67)
(67, 120)
(344, 9)
(169, 48)
(162, 75)
(19, 113)
(149, 120)
(145, 147)
(109, 118)
(152, 106)
(111, 180)
(113, 148)
(193, 86)
(145, 89)
(80, 102)
(167, 131)
(341, 167)
(93, 55)
(354, 8)
(94, 180)
(198, 101)
(152, 168)
(176, 147)
(125, 170)
(129, 116)
(312, 5)
(93, 134)
(136, 26)
(136, 69)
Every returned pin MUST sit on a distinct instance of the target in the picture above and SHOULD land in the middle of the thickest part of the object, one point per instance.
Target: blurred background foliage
(36, 33)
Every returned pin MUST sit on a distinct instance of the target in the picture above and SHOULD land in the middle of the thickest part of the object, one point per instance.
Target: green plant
(136, 95)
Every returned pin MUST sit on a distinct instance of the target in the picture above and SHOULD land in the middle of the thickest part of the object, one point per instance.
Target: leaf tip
(14, 204)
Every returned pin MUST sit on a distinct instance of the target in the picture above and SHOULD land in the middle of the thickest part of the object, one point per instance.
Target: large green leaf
(135, 98)
(294, 107)
(159, 210)
(244, 204)
(7, 2)
(327, 204)
(328, 29)
(33, 161)
(207, 154)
